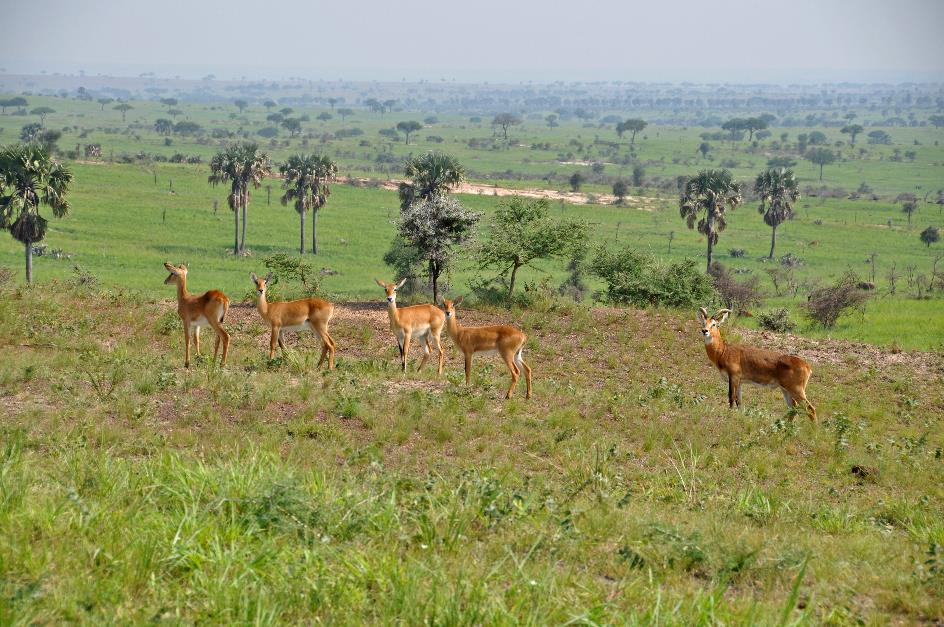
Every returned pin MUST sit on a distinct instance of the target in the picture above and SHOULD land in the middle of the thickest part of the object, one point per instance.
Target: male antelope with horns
(756, 365)
(206, 310)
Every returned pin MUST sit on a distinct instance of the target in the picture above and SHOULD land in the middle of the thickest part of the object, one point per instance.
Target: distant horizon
(246, 74)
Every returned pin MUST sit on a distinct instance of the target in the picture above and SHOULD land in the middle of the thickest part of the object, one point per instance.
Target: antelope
(295, 315)
(424, 322)
(503, 339)
(762, 367)
(207, 310)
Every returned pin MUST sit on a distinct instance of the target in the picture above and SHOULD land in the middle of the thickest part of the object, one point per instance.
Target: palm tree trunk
(773, 241)
(821, 171)
(242, 242)
(236, 240)
(711, 244)
(29, 262)
(314, 232)
(301, 242)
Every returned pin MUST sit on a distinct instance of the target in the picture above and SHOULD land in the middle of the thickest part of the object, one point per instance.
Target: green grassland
(124, 226)
(533, 153)
(625, 491)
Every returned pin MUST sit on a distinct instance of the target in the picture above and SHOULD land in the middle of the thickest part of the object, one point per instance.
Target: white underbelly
(304, 326)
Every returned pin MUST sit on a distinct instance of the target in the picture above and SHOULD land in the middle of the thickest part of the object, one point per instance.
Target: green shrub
(777, 320)
(635, 278)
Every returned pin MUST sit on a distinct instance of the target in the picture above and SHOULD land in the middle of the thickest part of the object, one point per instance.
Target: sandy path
(646, 203)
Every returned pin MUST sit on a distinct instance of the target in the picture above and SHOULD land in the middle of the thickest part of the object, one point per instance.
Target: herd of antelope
(424, 323)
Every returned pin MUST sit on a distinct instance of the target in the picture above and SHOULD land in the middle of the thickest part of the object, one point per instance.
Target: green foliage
(288, 268)
(521, 232)
(930, 235)
(777, 320)
(433, 173)
(637, 279)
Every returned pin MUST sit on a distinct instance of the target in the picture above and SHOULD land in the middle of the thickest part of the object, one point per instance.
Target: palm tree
(306, 183)
(778, 190)
(708, 196)
(432, 174)
(242, 166)
(29, 178)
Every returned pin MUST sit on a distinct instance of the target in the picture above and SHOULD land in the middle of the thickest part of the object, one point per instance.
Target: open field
(624, 492)
(124, 226)
(134, 490)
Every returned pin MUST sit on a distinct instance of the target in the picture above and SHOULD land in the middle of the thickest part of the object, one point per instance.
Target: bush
(735, 295)
(776, 320)
(287, 268)
(634, 278)
(827, 304)
(737, 252)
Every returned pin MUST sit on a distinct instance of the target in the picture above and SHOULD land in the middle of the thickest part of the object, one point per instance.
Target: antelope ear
(268, 278)
(702, 315)
(380, 283)
(253, 277)
(457, 301)
(400, 284)
(722, 315)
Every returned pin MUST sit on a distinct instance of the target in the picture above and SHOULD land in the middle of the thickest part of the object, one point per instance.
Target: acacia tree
(704, 202)
(240, 104)
(522, 232)
(777, 190)
(434, 229)
(408, 127)
(344, 112)
(243, 166)
(504, 120)
(306, 185)
(29, 179)
(633, 125)
(431, 174)
(124, 107)
(821, 157)
(42, 112)
(852, 130)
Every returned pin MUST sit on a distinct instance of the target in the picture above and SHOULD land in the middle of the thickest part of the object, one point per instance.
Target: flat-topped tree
(705, 201)
(632, 125)
(777, 189)
(241, 104)
(504, 120)
(821, 157)
(306, 187)
(243, 166)
(30, 179)
(124, 107)
(42, 112)
(852, 130)
(408, 127)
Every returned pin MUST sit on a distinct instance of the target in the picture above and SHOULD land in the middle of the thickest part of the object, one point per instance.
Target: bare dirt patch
(644, 203)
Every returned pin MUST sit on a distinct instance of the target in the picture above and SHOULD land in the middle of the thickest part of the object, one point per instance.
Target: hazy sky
(696, 40)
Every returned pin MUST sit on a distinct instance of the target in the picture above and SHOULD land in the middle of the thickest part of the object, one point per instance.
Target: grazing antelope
(424, 322)
(207, 310)
(295, 315)
(762, 367)
(503, 339)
